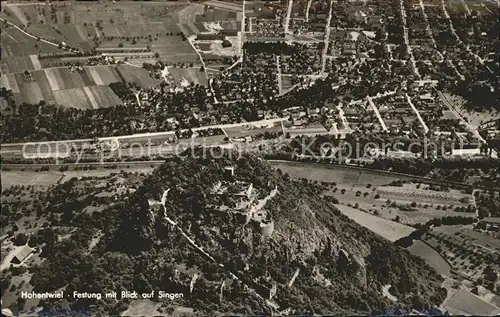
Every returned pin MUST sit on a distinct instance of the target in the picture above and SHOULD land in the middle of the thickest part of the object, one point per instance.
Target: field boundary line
(359, 168)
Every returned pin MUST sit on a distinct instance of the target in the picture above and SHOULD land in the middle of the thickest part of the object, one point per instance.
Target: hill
(233, 236)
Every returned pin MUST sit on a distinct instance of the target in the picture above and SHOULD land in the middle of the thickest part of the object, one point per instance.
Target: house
(27, 76)
(22, 255)
(245, 192)
(266, 287)
(229, 172)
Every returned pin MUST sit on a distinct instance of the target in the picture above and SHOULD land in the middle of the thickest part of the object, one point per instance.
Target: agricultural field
(77, 36)
(146, 26)
(84, 90)
(484, 239)
(102, 97)
(362, 189)
(92, 97)
(16, 44)
(424, 195)
(388, 229)
(20, 64)
(137, 75)
(103, 75)
(88, 13)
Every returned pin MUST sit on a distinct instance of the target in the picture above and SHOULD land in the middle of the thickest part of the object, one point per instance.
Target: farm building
(5, 109)
(491, 223)
(22, 255)
(27, 76)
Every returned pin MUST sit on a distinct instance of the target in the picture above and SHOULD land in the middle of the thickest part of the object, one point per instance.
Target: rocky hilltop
(235, 236)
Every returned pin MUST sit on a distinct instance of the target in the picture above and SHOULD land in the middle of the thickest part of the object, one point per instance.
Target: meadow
(430, 256)
(388, 229)
(339, 174)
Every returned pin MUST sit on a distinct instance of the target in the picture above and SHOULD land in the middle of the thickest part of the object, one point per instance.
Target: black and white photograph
(190, 158)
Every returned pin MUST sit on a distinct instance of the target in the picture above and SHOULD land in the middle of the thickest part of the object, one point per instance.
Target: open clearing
(334, 173)
(430, 256)
(388, 229)
(463, 302)
(184, 76)
(11, 178)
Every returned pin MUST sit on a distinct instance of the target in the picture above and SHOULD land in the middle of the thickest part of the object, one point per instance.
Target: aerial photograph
(250, 158)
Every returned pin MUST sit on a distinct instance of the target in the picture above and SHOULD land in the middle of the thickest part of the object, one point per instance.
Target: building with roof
(491, 223)
(22, 254)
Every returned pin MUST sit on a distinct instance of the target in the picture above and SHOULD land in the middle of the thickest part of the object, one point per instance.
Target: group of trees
(141, 252)
(436, 222)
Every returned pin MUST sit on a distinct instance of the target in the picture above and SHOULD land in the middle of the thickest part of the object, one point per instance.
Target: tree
(157, 55)
(120, 44)
(20, 239)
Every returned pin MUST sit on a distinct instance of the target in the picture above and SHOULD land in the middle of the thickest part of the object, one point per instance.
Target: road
(308, 8)
(288, 15)
(280, 84)
(327, 38)
(422, 122)
(407, 41)
(473, 199)
(377, 113)
(241, 34)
